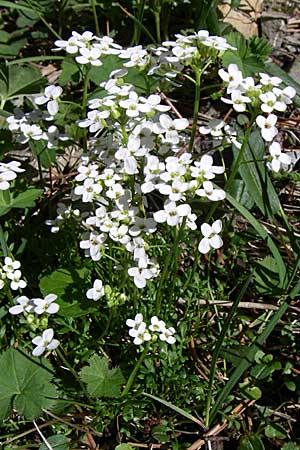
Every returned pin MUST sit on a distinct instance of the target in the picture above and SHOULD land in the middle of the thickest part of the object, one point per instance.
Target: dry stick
(72, 425)
(168, 101)
(238, 410)
(32, 430)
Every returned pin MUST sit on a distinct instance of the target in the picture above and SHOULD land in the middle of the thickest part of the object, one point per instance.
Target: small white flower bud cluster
(141, 333)
(269, 96)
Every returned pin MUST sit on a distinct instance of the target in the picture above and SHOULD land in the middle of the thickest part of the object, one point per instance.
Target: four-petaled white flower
(211, 237)
(44, 342)
(267, 126)
(46, 305)
(52, 93)
(278, 157)
(25, 305)
(172, 213)
(97, 291)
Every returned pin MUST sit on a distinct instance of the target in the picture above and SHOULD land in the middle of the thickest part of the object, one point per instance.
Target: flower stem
(135, 370)
(84, 105)
(168, 265)
(196, 109)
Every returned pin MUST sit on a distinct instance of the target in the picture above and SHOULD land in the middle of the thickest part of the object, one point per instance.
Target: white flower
(50, 97)
(204, 169)
(267, 80)
(44, 342)
(157, 325)
(46, 305)
(25, 304)
(5, 177)
(211, 237)
(285, 95)
(172, 213)
(10, 265)
(238, 101)
(278, 157)
(131, 105)
(233, 78)
(94, 245)
(95, 120)
(210, 192)
(30, 132)
(89, 56)
(270, 103)
(135, 323)
(97, 291)
(141, 335)
(88, 190)
(16, 282)
(140, 275)
(167, 335)
(267, 126)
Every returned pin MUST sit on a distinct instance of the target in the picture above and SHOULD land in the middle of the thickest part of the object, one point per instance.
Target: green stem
(157, 25)
(73, 372)
(218, 348)
(135, 370)
(234, 170)
(84, 106)
(93, 4)
(196, 110)
(168, 266)
(3, 242)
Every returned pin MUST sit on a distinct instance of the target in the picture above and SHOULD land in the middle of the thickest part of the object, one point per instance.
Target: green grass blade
(248, 359)
(175, 408)
(264, 235)
(34, 59)
(13, 5)
(220, 343)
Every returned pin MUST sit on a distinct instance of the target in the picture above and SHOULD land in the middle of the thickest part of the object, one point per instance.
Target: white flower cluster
(38, 306)
(143, 154)
(64, 214)
(10, 270)
(140, 332)
(267, 95)
(34, 125)
(8, 172)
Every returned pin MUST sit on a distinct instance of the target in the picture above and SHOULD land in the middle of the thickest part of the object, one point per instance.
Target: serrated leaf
(57, 442)
(24, 386)
(248, 62)
(275, 431)
(102, 381)
(250, 442)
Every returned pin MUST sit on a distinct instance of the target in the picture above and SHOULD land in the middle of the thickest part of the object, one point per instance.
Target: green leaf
(57, 442)
(24, 386)
(264, 235)
(248, 62)
(47, 156)
(291, 446)
(102, 381)
(123, 447)
(275, 431)
(18, 80)
(18, 200)
(26, 199)
(250, 442)
(175, 408)
(253, 392)
(266, 276)
(239, 191)
(255, 176)
(57, 282)
(69, 70)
